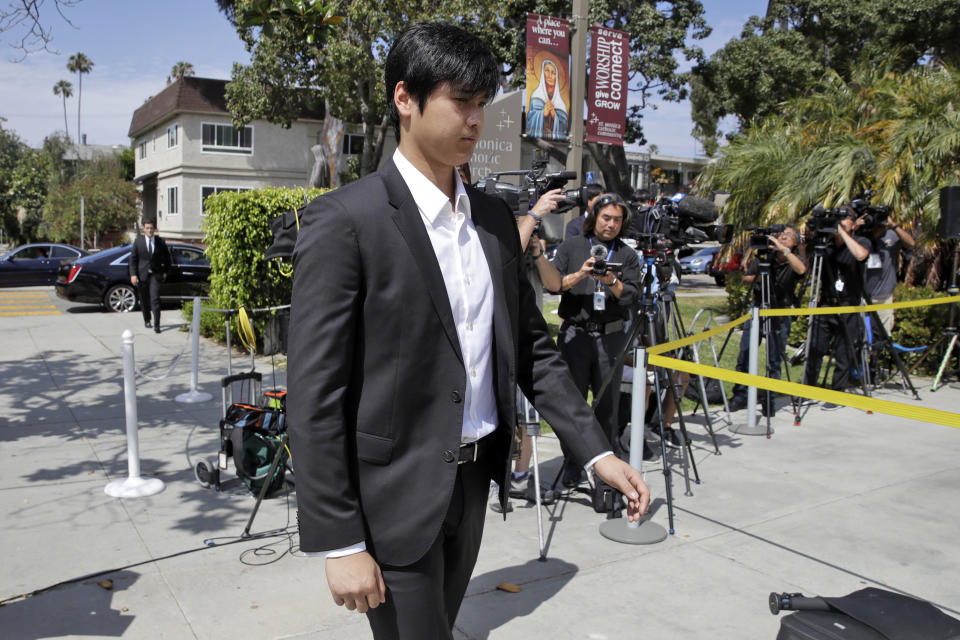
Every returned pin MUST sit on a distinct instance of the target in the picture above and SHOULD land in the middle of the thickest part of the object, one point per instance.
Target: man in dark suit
(411, 325)
(148, 264)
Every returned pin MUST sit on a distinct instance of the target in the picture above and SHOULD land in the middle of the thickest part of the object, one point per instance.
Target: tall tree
(12, 150)
(80, 64)
(180, 70)
(897, 133)
(64, 89)
(23, 16)
(782, 54)
(346, 70)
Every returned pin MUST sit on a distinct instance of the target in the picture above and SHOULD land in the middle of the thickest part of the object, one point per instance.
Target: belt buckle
(473, 445)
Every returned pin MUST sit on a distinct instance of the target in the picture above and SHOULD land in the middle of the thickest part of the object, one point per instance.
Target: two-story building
(186, 149)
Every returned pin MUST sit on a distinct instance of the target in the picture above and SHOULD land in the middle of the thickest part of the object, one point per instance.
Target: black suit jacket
(376, 378)
(142, 263)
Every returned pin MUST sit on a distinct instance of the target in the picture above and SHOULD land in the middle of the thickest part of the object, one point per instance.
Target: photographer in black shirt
(841, 284)
(786, 270)
(595, 303)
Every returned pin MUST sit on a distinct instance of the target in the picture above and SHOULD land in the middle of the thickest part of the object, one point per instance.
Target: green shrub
(237, 233)
(739, 295)
(920, 325)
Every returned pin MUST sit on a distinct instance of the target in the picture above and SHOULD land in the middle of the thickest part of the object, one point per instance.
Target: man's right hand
(355, 582)
(134, 280)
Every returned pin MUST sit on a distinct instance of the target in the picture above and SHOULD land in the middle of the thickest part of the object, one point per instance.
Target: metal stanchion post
(134, 486)
(195, 395)
(620, 529)
(751, 428)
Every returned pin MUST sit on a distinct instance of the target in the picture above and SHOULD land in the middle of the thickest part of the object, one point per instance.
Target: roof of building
(91, 151)
(198, 95)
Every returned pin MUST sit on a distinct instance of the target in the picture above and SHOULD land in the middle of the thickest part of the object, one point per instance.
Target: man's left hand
(621, 476)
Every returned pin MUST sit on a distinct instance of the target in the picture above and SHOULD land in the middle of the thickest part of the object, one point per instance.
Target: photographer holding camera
(880, 276)
(598, 277)
(841, 285)
(786, 270)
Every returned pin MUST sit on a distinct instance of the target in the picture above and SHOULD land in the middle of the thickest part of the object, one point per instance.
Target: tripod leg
(266, 486)
(886, 342)
(944, 362)
(668, 489)
(536, 493)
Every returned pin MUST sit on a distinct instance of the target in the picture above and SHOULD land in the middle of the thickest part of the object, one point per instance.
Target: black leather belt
(473, 451)
(603, 328)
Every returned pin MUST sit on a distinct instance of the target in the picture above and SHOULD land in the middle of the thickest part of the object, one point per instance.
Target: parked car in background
(34, 265)
(104, 278)
(699, 261)
(723, 263)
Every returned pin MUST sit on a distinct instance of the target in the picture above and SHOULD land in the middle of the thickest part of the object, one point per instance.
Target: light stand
(951, 330)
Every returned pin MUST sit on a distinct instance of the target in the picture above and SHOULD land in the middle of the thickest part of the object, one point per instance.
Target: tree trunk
(612, 160)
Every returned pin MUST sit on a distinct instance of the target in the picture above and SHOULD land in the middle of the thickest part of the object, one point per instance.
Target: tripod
(776, 348)
(815, 325)
(951, 330)
(886, 343)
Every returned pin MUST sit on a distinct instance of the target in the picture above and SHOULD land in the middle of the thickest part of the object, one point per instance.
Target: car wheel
(720, 280)
(120, 298)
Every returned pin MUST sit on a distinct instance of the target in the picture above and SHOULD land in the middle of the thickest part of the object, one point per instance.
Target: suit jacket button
(448, 455)
(456, 397)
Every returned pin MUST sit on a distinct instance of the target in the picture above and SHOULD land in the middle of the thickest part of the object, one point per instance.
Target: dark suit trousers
(423, 598)
(149, 290)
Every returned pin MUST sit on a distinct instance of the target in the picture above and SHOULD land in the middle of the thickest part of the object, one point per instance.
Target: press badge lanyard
(599, 295)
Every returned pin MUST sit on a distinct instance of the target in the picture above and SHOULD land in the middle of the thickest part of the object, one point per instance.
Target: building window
(173, 200)
(206, 192)
(352, 144)
(172, 131)
(224, 138)
(142, 150)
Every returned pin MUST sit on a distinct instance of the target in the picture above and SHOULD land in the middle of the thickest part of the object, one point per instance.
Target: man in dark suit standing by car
(412, 323)
(149, 262)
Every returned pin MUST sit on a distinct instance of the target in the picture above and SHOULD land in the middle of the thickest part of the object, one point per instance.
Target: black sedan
(35, 265)
(104, 278)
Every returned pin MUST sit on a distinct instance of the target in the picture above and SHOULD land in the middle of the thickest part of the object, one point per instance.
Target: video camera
(759, 239)
(824, 222)
(874, 213)
(535, 182)
(600, 265)
(670, 224)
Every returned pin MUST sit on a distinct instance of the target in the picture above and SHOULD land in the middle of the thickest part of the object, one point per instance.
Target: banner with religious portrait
(607, 99)
(548, 77)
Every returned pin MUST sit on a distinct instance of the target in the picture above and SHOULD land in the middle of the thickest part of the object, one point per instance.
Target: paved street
(847, 500)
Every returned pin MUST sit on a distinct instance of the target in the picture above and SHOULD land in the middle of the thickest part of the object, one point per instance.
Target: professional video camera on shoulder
(534, 183)
(872, 213)
(824, 222)
(675, 223)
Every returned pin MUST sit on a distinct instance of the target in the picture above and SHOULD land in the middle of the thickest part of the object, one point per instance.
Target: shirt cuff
(589, 466)
(338, 553)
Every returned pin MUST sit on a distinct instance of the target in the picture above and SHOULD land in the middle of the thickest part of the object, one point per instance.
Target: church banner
(548, 77)
(607, 103)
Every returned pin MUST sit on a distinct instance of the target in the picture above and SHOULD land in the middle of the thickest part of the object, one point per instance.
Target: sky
(134, 43)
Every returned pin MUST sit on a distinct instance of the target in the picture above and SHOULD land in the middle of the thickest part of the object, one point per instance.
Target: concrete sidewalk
(845, 501)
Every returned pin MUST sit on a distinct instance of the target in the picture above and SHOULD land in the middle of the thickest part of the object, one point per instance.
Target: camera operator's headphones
(607, 199)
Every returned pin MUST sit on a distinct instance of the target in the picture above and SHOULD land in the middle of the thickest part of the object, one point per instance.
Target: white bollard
(753, 367)
(194, 395)
(134, 486)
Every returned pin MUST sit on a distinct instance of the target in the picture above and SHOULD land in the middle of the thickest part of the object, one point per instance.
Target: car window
(30, 253)
(192, 257)
(63, 252)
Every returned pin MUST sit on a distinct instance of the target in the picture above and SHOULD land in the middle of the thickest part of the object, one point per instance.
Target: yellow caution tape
(899, 409)
(682, 342)
(823, 311)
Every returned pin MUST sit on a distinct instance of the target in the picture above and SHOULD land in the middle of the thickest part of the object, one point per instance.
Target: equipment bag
(606, 499)
(253, 453)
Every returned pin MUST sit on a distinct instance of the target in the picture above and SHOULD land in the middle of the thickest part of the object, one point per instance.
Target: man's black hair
(605, 200)
(427, 54)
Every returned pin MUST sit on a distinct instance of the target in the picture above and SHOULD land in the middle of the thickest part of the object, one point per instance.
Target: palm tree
(80, 64)
(64, 89)
(180, 70)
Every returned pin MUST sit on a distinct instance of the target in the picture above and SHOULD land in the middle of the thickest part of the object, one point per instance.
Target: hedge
(237, 233)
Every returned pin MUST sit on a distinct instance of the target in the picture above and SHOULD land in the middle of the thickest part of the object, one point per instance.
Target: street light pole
(81, 222)
(578, 62)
